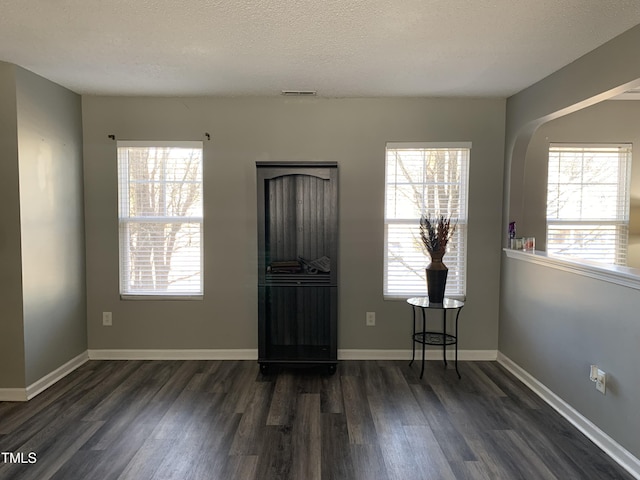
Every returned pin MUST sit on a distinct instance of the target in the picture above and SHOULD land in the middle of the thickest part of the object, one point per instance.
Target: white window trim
(415, 145)
(426, 145)
(622, 247)
(196, 219)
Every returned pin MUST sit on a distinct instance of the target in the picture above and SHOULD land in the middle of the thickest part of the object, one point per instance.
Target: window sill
(404, 298)
(625, 276)
(162, 297)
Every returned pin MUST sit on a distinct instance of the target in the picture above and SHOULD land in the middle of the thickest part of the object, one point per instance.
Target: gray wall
(52, 223)
(42, 279)
(352, 132)
(555, 324)
(12, 338)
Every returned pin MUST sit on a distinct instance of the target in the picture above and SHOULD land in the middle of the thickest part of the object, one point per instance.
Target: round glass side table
(425, 337)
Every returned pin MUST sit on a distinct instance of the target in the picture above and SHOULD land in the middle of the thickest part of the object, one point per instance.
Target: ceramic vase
(436, 277)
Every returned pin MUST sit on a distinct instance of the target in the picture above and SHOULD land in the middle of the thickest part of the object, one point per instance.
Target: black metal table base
(425, 337)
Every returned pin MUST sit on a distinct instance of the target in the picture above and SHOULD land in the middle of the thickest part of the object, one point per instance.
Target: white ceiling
(341, 48)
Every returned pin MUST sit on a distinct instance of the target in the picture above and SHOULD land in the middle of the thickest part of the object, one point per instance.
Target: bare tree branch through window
(160, 218)
(423, 178)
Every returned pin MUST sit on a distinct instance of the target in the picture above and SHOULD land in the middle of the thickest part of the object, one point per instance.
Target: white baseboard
(13, 395)
(347, 354)
(24, 394)
(58, 374)
(616, 451)
(477, 355)
(252, 354)
(173, 354)
(433, 353)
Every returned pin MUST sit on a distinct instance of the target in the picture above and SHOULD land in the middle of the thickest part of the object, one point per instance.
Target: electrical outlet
(601, 382)
(371, 319)
(107, 319)
(599, 377)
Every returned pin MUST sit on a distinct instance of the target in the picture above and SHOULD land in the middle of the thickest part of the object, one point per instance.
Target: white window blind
(422, 178)
(588, 201)
(160, 216)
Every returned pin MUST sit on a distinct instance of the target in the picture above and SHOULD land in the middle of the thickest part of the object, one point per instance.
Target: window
(588, 201)
(160, 216)
(424, 178)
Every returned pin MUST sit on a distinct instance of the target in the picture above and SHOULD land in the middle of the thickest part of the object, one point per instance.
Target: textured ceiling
(341, 48)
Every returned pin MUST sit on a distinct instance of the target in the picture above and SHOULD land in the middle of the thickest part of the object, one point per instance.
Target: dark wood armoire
(297, 264)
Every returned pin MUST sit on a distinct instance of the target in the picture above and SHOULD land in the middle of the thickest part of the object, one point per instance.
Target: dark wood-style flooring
(372, 420)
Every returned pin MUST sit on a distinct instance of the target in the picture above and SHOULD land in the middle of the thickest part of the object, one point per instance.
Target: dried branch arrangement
(436, 232)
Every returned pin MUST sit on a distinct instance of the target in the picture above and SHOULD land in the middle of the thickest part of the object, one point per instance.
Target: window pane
(164, 258)
(404, 201)
(588, 201)
(407, 260)
(569, 201)
(160, 192)
(423, 180)
(599, 243)
(599, 202)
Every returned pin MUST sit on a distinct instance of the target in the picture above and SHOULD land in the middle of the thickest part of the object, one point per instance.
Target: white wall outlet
(601, 382)
(107, 319)
(599, 377)
(371, 319)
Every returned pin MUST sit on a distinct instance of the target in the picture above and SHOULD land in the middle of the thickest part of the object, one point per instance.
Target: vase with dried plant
(435, 233)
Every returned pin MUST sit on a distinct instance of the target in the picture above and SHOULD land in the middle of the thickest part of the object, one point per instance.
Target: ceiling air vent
(299, 93)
